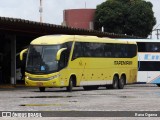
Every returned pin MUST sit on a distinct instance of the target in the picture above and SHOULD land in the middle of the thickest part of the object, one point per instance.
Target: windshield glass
(42, 59)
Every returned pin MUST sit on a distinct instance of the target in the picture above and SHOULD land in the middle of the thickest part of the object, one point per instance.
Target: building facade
(79, 18)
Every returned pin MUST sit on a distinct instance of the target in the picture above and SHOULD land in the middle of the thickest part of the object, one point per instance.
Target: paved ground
(138, 97)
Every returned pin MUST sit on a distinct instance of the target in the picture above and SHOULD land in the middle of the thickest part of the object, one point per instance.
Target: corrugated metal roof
(21, 26)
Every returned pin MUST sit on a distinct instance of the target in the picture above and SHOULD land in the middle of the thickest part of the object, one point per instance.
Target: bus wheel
(115, 82)
(121, 82)
(158, 85)
(70, 86)
(42, 89)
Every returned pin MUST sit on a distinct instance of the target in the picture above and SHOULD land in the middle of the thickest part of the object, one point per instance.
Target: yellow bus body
(86, 71)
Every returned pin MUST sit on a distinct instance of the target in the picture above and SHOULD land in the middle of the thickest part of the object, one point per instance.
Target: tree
(131, 17)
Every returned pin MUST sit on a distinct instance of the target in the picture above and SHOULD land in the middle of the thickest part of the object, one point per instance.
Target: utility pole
(157, 33)
(151, 36)
(40, 10)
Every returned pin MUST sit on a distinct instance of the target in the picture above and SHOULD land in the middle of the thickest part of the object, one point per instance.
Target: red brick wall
(79, 18)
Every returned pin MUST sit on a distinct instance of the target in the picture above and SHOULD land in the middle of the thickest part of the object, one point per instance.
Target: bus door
(78, 62)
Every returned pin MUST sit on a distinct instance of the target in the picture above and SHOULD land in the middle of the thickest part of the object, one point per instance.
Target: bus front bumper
(49, 83)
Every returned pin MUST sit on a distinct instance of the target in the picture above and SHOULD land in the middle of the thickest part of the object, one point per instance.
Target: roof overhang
(21, 26)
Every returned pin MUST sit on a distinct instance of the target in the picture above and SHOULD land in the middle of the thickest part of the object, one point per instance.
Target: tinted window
(78, 50)
(41, 59)
(132, 50)
(67, 45)
(117, 52)
(148, 47)
(110, 50)
(93, 49)
(65, 55)
(149, 66)
(88, 51)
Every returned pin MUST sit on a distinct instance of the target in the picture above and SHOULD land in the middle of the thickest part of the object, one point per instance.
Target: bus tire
(115, 82)
(121, 82)
(70, 86)
(42, 89)
(158, 85)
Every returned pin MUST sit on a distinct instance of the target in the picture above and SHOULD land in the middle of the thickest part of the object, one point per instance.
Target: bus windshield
(42, 59)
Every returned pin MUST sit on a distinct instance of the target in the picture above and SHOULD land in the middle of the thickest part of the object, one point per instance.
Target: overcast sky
(53, 9)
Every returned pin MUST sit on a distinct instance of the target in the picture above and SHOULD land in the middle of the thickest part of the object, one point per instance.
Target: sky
(53, 9)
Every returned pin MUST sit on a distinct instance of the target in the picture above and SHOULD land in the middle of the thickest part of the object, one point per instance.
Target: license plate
(39, 84)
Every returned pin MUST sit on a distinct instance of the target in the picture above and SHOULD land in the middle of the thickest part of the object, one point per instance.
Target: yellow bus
(72, 60)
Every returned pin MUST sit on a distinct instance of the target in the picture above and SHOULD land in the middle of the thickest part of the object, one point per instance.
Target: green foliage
(131, 17)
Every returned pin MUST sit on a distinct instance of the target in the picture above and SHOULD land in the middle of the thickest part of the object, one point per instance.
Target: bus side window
(116, 51)
(132, 50)
(152, 47)
(124, 50)
(107, 50)
(67, 45)
(78, 51)
(142, 47)
(99, 49)
(63, 59)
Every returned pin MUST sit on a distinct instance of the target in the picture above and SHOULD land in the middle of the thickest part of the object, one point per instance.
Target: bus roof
(59, 39)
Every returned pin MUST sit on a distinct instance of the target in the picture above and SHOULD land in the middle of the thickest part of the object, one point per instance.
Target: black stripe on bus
(149, 65)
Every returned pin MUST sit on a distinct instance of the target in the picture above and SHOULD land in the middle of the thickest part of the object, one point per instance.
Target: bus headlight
(27, 77)
(42, 79)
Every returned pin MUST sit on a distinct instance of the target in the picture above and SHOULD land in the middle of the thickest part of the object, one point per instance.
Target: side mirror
(21, 54)
(58, 56)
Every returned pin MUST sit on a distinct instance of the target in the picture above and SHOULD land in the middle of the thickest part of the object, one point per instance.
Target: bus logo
(151, 57)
